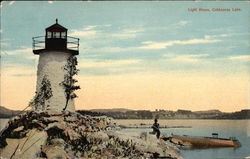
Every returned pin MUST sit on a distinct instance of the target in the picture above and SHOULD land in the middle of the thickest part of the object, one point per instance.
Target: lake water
(226, 128)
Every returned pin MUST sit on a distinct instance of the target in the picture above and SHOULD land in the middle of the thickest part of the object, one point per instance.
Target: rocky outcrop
(67, 135)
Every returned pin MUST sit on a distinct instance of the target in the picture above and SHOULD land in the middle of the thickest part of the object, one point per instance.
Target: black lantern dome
(56, 39)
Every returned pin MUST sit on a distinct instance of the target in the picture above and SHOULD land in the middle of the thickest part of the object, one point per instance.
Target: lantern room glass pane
(56, 34)
(63, 35)
(49, 34)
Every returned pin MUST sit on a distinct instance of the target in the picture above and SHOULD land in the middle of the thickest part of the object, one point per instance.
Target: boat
(205, 142)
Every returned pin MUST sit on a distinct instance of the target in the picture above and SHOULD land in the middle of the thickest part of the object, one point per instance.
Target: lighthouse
(56, 66)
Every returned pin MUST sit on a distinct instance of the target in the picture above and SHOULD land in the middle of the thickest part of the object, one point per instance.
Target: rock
(39, 125)
(71, 118)
(71, 134)
(52, 134)
(53, 119)
(99, 135)
(58, 141)
(55, 152)
(18, 129)
(26, 147)
(57, 125)
(81, 128)
(18, 132)
(101, 124)
(53, 113)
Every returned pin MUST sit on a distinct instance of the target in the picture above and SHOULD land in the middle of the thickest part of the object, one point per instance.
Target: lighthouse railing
(39, 43)
(72, 43)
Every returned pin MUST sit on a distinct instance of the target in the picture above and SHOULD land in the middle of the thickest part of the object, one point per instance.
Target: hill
(167, 114)
(213, 111)
(122, 113)
(110, 110)
(7, 113)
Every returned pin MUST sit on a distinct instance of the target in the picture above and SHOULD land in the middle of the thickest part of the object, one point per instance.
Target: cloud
(187, 58)
(19, 51)
(83, 33)
(23, 74)
(97, 30)
(109, 49)
(17, 70)
(218, 36)
(107, 63)
(106, 25)
(240, 58)
(11, 2)
(147, 45)
(163, 45)
(4, 42)
(181, 23)
(88, 31)
(197, 41)
(90, 27)
(225, 35)
(126, 33)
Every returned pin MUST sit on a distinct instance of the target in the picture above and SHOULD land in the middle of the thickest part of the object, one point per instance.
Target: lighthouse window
(63, 35)
(56, 34)
(49, 34)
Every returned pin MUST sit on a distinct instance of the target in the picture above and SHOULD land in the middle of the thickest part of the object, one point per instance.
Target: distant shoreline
(169, 115)
(128, 114)
(159, 119)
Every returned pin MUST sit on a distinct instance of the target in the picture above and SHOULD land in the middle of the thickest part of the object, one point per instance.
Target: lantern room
(56, 39)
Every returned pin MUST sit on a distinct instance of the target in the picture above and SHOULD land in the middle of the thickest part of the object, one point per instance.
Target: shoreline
(72, 135)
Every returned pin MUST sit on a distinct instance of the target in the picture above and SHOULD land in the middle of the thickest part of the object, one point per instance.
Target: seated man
(156, 129)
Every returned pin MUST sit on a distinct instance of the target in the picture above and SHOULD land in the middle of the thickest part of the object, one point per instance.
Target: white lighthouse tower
(56, 59)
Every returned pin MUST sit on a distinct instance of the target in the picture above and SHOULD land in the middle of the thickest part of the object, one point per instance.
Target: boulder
(55, 152)
(53, 119)
(26, 147)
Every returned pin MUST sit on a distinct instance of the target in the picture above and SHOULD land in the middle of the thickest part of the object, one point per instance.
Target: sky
(136, 55)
